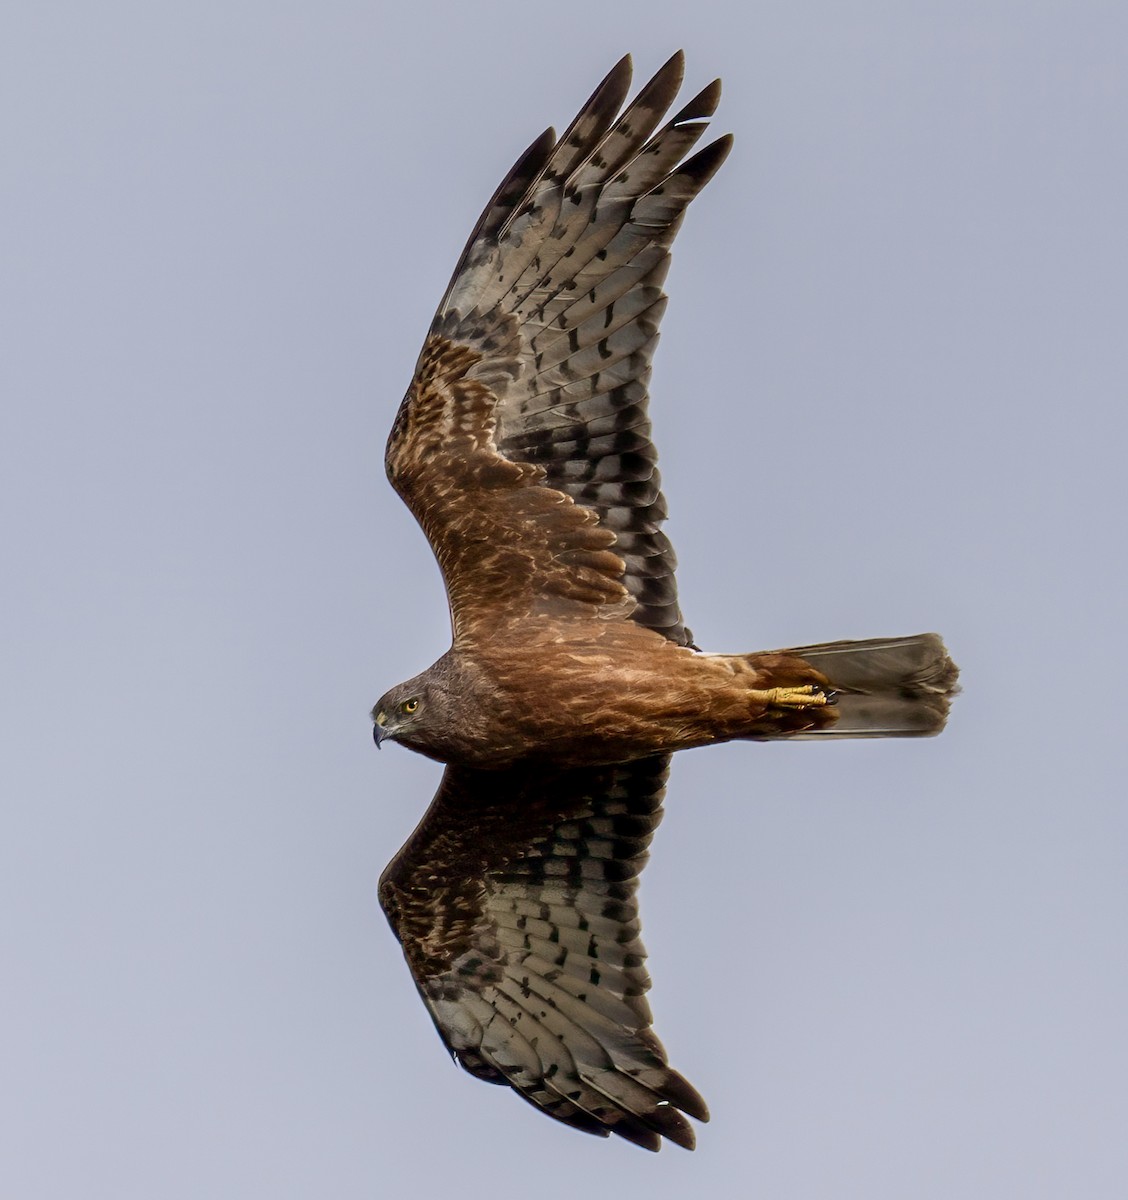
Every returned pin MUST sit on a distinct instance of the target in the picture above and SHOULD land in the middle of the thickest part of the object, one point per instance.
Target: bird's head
(422, 713)
(400, 712)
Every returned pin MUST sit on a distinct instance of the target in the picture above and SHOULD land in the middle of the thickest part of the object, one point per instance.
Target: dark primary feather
(557, 301)
(515, 902)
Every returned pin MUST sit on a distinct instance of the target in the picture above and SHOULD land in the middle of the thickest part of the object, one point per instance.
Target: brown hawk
(523, 449)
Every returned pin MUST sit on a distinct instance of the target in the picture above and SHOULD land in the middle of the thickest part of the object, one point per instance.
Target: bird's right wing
(515, 904)
(523, 444)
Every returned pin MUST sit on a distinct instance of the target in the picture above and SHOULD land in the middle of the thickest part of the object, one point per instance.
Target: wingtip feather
(707, 162)
(701, 107)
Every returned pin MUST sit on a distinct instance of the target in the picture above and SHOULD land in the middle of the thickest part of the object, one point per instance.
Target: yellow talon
(810, 695)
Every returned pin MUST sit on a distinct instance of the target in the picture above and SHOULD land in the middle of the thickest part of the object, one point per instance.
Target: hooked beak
(379, 732)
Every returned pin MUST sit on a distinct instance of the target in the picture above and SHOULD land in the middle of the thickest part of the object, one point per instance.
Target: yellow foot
(808, 696)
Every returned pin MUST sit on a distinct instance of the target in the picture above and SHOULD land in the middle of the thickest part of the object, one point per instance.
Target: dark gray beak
(379, 732)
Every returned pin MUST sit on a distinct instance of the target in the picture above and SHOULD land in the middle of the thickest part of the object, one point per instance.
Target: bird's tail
(886, 687)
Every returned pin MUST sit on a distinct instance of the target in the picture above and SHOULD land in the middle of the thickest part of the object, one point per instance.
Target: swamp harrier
(523, 449)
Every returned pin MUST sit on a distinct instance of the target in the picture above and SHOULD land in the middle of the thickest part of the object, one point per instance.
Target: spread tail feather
(887, 687)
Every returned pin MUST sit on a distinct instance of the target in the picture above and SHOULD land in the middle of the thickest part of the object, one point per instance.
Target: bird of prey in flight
(523, 448)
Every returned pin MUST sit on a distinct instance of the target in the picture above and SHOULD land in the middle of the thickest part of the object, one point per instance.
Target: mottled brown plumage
(523, 449)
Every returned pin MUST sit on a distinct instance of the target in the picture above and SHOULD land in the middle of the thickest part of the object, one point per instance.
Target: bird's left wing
(523, 444)
(515, 903)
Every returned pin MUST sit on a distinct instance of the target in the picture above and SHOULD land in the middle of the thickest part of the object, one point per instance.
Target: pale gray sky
(890, 397)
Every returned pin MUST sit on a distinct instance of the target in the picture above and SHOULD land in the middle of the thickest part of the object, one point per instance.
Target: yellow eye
(409, 706)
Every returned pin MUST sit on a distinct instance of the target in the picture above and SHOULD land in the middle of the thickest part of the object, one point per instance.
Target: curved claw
(809, 695)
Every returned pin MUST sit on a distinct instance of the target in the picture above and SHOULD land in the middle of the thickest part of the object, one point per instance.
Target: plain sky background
(890, 397)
